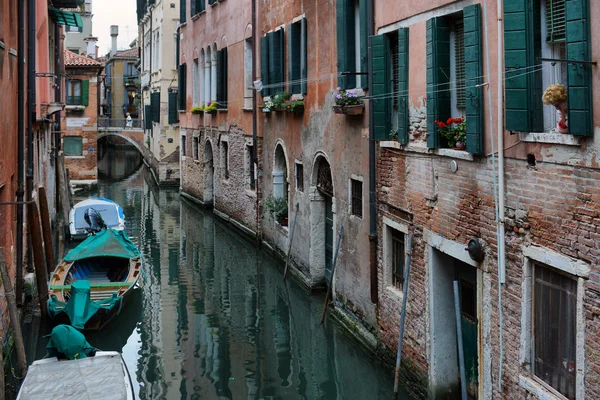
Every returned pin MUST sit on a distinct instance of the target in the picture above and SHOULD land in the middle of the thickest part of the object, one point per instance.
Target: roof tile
(77, 60)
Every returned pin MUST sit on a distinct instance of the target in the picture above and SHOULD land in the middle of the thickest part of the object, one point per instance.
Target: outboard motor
(94, 220)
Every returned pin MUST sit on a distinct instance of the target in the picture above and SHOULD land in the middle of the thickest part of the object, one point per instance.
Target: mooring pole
(287, 260)
(14, 317)
(38, 256)
(402, 317)
(461, 356)
(328, 295)
(46, 230)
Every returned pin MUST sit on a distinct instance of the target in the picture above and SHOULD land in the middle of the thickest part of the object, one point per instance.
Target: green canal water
(213, 318)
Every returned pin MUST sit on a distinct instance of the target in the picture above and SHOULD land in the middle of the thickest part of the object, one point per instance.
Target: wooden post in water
(46, 230)
(287, 260)
(328, 295)
(14, 317)
(38, 255)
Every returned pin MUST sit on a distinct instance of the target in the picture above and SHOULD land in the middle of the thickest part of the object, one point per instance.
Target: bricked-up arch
(322, 217)
(209, 173)
(134, 136)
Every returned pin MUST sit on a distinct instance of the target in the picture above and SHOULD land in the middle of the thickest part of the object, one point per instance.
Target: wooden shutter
(155, 104)
(264, 64)
(381, 99)
(438, 77)
(291, 48)
(556, 21)
(473, 78)
(219, 78)
(519, 53)
(579, 76)
(193, 7)
(182, 87)
(276, 61)
(364, 49)
(182, 13)
(294, 56)
(403, 116)
(303, 58)
(211, 2)
(202, 5)
(173, 117)
(345, 43)
(85, 92)
(148, 116)
(340, 25)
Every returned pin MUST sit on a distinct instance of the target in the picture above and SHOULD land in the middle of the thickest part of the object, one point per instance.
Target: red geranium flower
(450, 120)
(442, 125)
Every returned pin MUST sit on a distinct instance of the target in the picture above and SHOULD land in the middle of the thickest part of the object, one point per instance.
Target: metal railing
(105, 123)
(131, 80)
(74, 100)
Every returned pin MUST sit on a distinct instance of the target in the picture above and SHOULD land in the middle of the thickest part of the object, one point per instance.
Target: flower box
(355, 109)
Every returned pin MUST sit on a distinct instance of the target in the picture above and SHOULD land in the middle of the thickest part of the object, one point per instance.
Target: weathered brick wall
(549, 205)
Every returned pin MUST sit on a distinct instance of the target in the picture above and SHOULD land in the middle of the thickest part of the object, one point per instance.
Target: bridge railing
(105, 123)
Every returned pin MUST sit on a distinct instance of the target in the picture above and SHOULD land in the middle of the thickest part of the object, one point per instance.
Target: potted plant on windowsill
(198, 109)
(347, 102)
(280, 101)
(454, 130)
(211, 108)
(266, 108)
(295, 106)
(278, 208)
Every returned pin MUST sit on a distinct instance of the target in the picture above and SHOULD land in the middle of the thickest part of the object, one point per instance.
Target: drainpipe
(372, 171)
(31, 112)
(254, 118)
(20, 151)
(57, 98)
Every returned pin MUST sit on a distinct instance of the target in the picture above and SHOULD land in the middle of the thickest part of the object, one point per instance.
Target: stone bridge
(135, 136)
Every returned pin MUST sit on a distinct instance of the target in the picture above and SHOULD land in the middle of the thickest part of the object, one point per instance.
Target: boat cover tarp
(68, 342)
(80, 307)
(106, 243)
(99, 377)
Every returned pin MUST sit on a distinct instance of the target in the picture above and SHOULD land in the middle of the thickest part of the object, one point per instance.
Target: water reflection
(214, 319)
(117, 158)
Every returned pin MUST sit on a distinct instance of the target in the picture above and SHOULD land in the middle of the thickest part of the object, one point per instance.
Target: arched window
(213, 74)
(201, 83)
(207, 75)
(196, 87)
(280, 172)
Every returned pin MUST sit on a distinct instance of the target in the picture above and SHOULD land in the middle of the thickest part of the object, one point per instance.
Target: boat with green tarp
(90, 286)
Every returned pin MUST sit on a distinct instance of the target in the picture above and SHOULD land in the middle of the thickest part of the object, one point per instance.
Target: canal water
(214, 319)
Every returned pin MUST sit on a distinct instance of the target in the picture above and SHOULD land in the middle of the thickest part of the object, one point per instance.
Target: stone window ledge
(197, 161)
(251, 193)
(394, 293)
(550, 137)
(197, 15)
(460, 154)
(74, 108)
(75, 157)
(537, 389)
(247, 109)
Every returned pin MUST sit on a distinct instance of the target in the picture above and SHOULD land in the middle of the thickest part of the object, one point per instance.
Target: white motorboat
(110, 212)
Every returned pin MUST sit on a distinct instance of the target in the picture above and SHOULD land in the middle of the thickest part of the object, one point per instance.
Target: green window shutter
(294, 57)
(202, 5)
(73, 145)
(364, 49)
(340, 9)
(182, 13)
(473, 78)
(303, 58)
(264, 64)
(85, 92)
(148, 116)
(521, 110)
(155, 104)
(276, 62)
(211, 2)
(381, 102)
(350, 44)
(291, 48)
(579, 76)
(438, 77)
(193, 7)
(403, 116)
(181, 83)
(219, 78)
(556, 21)
(173, 108)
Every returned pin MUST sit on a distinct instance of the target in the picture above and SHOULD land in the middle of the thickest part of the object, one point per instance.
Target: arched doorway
(321, 220)
(280, 171)
(209, 173)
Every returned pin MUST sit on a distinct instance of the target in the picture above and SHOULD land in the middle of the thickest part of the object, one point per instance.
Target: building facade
(158, 49)
(79, 138)
(122, 87)
(80, 39)
(215, 110)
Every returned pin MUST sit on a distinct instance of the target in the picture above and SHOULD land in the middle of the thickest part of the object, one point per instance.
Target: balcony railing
(105, 123)
(74, 100)
(131, 80)
(67, 3)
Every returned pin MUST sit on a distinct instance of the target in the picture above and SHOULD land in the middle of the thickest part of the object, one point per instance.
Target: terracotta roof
(76, 60)
(131, 53)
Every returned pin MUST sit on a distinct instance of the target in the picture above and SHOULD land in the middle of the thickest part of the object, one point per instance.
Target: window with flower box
(352, 44)
(297, 71)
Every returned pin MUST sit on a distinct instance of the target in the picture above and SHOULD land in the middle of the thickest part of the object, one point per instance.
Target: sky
(114, 12)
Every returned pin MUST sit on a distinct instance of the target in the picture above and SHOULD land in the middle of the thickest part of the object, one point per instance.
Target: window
(538, 35)
(74, 50)
(272, 65)
(297, 57)
(207, 75)
(147, 45)
(197, 6)
(249, 167)
(248, 73)
(195, 86)
(356, 197)
(397, 257)
(457, 66)
(222, 78)
(183, 146)
(225, 159)
(173, 116)
(155, 105)
(73, 92)
(73, 145)
(195, 147)
(182, 12)
(351, 42)
(299, 176)
(182, 86)
(554, 329)
(213, 74)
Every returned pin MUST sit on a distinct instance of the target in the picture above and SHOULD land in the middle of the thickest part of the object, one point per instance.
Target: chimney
(91, 46)
(114, 32)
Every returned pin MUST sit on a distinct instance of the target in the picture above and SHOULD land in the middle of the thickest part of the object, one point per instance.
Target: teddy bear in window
(556, 95)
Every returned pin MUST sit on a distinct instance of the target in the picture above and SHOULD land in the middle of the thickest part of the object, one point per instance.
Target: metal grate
(398, 255)
(250, 150)
(459, 51)
(555, 21)
(300, 177)
(324, 183)
(357, 199)
(554, 329)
